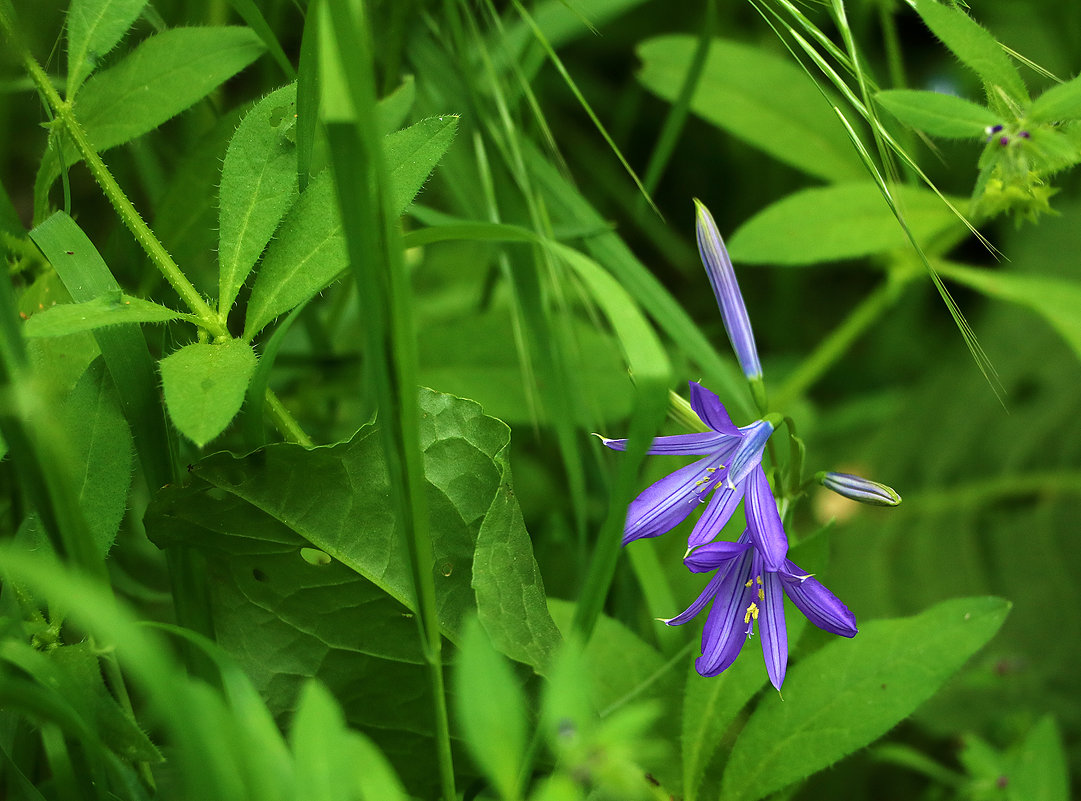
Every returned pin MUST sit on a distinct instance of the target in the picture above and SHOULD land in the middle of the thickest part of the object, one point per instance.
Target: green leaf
(102, 311)
(491, 710)
(763, 99)
(973, 45)
(1057, 300)
(938, 114)
(850, 692)
(309, 252)
(160, 78)
(394, 108)
(1038, 771)
(94, 28)
(204, 386)
(1060, 102)
(258, 185)
(100, 440)
(844, 221)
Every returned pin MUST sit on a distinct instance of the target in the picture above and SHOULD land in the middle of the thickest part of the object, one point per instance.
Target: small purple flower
(860, 489)
(723, 278)
(744, 590)
(732, 466)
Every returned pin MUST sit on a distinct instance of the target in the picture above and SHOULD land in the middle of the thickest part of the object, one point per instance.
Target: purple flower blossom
(745, 591)
(731, 469)
(723, 278)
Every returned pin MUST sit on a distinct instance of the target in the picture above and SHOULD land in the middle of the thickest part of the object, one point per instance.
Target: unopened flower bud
(859, 489)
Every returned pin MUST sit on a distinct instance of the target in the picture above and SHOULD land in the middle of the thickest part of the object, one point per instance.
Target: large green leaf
(105, 310)
(341, 609)
(258, 185)
(309, 251)
(1061, 102)
(850, 692)
(94, 28)
(937, 113)
(843, 221)
(762, 98)
(204, 386)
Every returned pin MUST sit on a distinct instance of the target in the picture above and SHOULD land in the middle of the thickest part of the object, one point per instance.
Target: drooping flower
(745, 591)
(860, 489)
(731, 469)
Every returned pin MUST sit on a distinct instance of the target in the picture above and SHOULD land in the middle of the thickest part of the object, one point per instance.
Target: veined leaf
(850, 692)
(973, 45)
(258, 185)
(938, 114)
(204, 386)
(94, 28)
(844, 221)
(105, 310)
(759, 97)
(1060, 102)
(309, 251)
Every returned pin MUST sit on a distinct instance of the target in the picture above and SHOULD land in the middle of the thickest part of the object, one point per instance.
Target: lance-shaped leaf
(102, 311)
(309, 251)
(258, 185)
(938, 114)
(204, 386)
(1060, 102)
(94, 28)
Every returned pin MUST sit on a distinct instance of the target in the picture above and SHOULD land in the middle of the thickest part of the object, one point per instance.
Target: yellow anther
(752, 611)
(711, 469)
(761, 594)
(749, 583)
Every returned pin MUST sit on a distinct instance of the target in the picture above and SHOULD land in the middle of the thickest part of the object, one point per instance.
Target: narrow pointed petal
(718, 585)
(711, 411)
(664, 505)
(712, 556)
(821, 606)
(725, 632)
(763, 521)
(771, 628)
(723, 278)
(749, 454)
(703, 444)
(721, 507)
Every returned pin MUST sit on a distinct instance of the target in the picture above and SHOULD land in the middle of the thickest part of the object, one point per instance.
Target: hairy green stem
(284, 421)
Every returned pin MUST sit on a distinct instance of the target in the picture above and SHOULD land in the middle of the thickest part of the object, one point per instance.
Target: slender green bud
(859, 489)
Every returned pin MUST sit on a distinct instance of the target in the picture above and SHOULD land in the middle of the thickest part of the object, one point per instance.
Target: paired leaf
(1060, 102)
(94, 28)
(309, 251)
(105, 310)
(763, 99)
(204, 386)
(850, 692)
(843, 221)
(258, 185)
(973, 45)
(938, 114)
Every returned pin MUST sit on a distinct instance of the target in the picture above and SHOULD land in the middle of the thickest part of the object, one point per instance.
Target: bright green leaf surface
(1039, 771)
(1060, 102)
(204, 386)
(850, 692)
(938, 114)
(309, 251)
(94, 28)
(762, 98)
(258, 185)
(974, 45)
(72, 318)
(394, 108)
(844, 221)
(1057, 300)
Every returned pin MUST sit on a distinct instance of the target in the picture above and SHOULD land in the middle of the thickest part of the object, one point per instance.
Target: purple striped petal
(749, 454)
(664, 505)
(703, 444)
(723, 278)
(725, 632)
(713, 587)
(821, 606)
(771, 626)
(860, 489)
(721, 507)
(712, 556)
(711, 411)
(763, 521)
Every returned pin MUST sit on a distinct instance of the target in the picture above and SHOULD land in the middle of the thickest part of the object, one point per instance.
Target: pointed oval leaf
(843, 221)
(850, 692)
(764, 99)
(106, 310)
(258, 185)
(204, 386)
(94, 28)
(1060, 102)
(938, 114)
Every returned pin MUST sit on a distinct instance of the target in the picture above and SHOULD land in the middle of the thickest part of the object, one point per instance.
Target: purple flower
(723, 278)
(744, 591)
(731, 469)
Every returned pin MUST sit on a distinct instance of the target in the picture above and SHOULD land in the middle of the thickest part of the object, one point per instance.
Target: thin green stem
(284, 421)
(839, 340)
